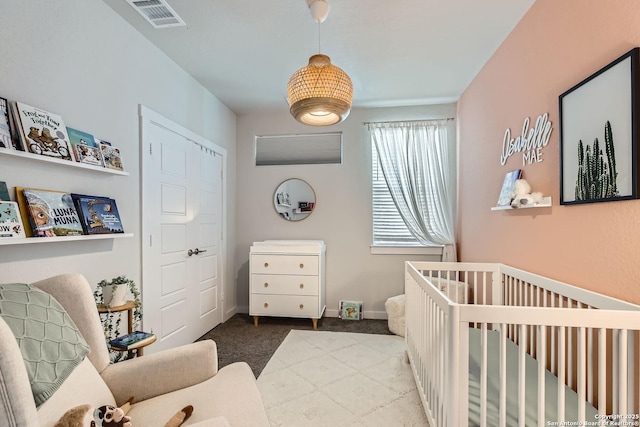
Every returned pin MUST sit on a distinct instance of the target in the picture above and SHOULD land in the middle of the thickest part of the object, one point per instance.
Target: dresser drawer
(285, 264)
(283, 284)
(284, 305)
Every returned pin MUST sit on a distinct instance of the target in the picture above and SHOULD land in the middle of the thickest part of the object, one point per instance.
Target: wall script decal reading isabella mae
(530, 143)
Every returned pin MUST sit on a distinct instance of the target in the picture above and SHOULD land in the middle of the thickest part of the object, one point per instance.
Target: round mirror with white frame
(294, 199)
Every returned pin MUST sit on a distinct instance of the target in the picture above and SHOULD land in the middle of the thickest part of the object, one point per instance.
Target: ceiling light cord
(319, 51)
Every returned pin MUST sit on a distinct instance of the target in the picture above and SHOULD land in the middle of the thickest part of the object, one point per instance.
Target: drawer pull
(266, 264)
(266, 304)
(266, 285)
(301, 285)
(301, 265)
(301, 306)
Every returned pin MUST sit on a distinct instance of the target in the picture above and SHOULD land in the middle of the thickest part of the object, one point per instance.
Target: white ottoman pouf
(395, 314)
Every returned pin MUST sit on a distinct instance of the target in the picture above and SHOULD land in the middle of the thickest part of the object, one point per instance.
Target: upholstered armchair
(160, 383)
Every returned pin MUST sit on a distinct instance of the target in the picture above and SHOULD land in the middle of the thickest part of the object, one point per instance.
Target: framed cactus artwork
(599, 153)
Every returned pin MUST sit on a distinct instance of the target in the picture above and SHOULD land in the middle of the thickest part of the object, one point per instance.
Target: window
(413, 186)
(299, 149)
(388, 227)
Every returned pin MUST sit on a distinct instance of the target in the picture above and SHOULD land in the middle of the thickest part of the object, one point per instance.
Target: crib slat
(602, 372)
(622, 354)
(503, 374)
(554, 368)
(483, 376)
(581, 374)
(542, 363)
(570, 351)
(562, 360)
(630, 374)
(522, 377)
(615, 361)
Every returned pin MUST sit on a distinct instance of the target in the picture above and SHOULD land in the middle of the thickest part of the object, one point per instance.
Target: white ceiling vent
(158, 13)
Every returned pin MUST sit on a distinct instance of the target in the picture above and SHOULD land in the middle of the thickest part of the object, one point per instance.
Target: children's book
(133, 339)
(112, 157)
(350, 310)
(4, 192)
(84, 147)
(10, 221)
(48, 213)
(99, 215)
(16, 141)
(507, 187)
(5, 128)
(43, 133)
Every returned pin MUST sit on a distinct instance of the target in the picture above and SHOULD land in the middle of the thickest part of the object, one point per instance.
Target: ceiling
(397, 52)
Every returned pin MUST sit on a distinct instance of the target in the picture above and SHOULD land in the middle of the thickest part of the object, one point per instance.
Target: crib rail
(586, 340)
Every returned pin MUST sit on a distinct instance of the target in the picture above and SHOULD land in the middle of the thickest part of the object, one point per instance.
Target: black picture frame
(599, 114)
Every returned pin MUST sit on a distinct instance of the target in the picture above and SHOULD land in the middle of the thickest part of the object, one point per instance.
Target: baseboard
(379, 315)
(229, 313)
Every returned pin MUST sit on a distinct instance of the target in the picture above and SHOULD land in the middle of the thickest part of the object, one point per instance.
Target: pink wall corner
(556, 45)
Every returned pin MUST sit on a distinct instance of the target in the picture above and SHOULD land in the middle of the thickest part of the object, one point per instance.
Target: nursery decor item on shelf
(506, 192)
(522, 194)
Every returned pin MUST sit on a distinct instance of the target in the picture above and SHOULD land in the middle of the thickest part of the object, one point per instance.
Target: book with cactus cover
(10, 221)
(507, 187)
(48, 213)
(43, 133)
(99, 215)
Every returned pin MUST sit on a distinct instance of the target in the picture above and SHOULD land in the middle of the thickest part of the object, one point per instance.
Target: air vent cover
(158, 13)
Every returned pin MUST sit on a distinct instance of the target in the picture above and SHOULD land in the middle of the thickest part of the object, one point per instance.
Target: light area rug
(320, 378)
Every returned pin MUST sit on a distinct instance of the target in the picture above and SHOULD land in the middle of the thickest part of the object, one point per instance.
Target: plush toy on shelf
(522, 195)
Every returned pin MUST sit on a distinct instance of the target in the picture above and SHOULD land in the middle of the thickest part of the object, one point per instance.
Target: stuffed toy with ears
(110, 416)
(522, 195)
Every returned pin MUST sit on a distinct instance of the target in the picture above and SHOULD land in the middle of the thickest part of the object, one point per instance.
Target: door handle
(195, 252)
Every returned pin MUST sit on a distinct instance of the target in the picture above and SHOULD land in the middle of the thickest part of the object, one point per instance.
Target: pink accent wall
(555, 46)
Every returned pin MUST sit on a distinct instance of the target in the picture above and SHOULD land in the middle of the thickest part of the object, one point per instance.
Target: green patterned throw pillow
(50, 342)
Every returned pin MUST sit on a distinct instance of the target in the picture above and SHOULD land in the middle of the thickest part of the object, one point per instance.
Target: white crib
(491, 345)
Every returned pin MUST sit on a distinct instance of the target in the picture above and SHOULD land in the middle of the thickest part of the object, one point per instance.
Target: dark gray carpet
(239, 341)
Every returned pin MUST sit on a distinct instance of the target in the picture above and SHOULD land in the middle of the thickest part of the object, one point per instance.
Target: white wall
(78, 59)
(342, 216)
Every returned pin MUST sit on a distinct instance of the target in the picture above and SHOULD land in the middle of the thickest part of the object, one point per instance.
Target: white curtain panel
(415, 162)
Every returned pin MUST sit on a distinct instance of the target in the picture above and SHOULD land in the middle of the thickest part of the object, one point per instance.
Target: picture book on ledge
(42, 132)
(507, 187)
(10, 221)
(350, 310)
(85, 148)
(99, 215)
(111, 155)
(49, 213)
(133, 339)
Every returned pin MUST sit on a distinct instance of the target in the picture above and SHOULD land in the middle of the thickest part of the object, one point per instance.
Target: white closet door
(182, 234)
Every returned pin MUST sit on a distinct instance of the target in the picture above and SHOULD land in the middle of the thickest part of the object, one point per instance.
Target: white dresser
(287, 279)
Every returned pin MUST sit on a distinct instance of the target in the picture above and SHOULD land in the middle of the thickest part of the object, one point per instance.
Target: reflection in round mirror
(294, 199)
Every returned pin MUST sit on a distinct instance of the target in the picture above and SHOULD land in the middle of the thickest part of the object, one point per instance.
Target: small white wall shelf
(544, 203)
(28, 240)
(39, 157)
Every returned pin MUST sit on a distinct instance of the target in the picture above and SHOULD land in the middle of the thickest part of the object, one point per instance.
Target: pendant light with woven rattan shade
(320, 94)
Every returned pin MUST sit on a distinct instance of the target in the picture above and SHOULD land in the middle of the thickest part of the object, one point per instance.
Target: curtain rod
(448, 119)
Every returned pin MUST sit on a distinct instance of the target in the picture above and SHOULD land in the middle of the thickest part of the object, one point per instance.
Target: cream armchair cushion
(161, 383)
